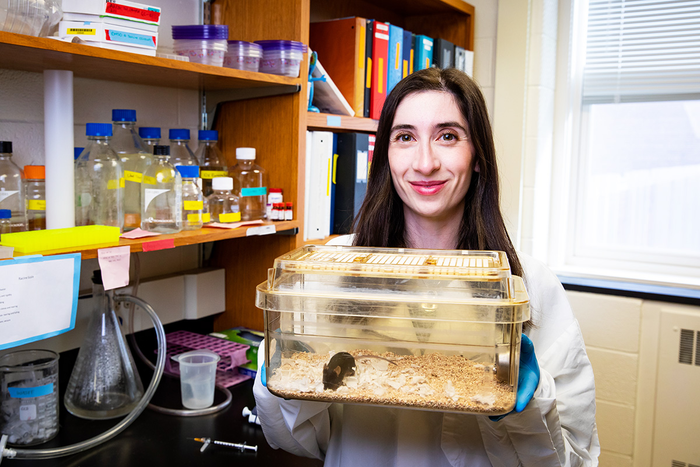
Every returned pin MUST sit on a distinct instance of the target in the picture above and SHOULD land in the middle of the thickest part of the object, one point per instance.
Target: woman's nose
(426, 160)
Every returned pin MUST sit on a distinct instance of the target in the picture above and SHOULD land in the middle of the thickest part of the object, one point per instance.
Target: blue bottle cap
(123, 115)
(180, 133)
(208, 135)
(148, 132)
(98, 129)
(5, 214)
(188, 171)
(77, 152)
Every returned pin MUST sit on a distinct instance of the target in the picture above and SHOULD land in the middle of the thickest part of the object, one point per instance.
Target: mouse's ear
(337, 370)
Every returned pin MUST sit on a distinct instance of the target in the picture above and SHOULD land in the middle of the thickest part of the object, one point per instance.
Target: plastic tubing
(11, 453)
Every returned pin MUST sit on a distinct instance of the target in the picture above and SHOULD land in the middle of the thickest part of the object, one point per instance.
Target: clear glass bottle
(180, 152)
(5, 221)
(211, 162)
(104, 382)
(99, 180)
(249, 184)
(223, 204)
(135, 160)
(150, 136)
(11, 193)
(161, 194)
(35, 196)
(192, 199)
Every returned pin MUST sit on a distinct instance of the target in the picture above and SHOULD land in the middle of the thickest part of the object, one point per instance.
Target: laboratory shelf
(184, 238)
(339, 123)
(36, 54)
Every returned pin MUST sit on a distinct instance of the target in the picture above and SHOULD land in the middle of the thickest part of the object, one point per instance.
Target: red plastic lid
(275, 190)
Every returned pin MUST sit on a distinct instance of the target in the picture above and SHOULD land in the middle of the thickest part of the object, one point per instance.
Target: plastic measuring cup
(29, 396)
(197, 378)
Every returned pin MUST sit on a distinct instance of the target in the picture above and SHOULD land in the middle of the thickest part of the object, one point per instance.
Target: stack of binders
(112, 24)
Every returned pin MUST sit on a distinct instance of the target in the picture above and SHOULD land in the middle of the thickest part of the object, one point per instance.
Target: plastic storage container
(281, 57)
(243, 55)
(135, 159)
(206, 44)
(35, 196)
(249, 184)
(99, 180)
(426, 329)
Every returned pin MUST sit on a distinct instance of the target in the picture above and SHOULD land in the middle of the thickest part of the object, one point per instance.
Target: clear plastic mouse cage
(425, 329)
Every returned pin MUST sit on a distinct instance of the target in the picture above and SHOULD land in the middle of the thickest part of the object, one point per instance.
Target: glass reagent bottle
(223, 204)
(161, 195)
(249, 184)
(211, 162)
(192, 198)
(11, 193)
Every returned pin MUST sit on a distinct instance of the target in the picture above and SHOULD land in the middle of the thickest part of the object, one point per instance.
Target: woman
(434, 184)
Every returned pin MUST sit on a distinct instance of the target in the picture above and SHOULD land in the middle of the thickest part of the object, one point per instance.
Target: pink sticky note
(114, 264)
(158, 244)
(233, 225)
(138, 233)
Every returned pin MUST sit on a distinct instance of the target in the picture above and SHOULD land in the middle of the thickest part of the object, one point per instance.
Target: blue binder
(424, 52)
(395, 61)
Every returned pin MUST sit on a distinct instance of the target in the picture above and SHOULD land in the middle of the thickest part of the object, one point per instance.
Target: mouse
(341, 364)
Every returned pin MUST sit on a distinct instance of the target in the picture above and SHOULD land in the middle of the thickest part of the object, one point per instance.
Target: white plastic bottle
(192, 199)
(11, 193)
(249, 184)
(223, 204)
(211, 162)
(99, 180)
(135, 159)
(161, 194)
(180, 152)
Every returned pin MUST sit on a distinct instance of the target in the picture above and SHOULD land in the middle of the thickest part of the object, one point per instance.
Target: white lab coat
(556, 428)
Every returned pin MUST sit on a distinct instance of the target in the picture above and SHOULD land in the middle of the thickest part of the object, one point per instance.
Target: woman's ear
(476, 167)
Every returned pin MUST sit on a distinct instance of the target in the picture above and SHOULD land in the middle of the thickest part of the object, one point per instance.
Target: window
(633, 207)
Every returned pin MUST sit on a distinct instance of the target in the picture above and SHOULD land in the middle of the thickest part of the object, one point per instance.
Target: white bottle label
(150, 193)
(27, 412)
(6, 194)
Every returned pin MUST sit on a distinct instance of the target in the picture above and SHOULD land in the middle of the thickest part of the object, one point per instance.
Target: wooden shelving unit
(339, 123)
(275, 125)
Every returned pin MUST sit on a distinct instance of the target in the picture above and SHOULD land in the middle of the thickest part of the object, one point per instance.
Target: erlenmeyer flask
(104, 382)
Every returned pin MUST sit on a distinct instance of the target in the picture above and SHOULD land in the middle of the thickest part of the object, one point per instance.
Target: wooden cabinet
(275, 125)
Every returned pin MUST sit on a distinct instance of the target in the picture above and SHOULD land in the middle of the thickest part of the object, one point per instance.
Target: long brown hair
(380, 222)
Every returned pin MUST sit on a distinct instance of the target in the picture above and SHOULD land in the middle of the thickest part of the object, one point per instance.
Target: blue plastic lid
(208, 135)
(77, 152)
(149, 132)
(179, 133)
(188, 171)
(282, 45)
(5, 214)
(98, 129)
(123, 115)
(201, 31)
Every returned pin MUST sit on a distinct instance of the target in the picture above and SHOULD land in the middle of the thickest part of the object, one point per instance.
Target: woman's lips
(428, 188)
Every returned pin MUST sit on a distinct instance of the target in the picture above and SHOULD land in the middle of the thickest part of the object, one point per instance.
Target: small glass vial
(180, 152)
(35, 196)
(211, 162)
(161, 194)
(223, 204)
(11, 193)
(99, 180)
(249, 185)
(135, 159)
(150, 137)
(5, 221)
(288, 211)
(274, 196)
(192, 199)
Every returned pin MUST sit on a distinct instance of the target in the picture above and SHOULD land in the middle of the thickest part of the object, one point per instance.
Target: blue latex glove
(263, 375)
(528, 378)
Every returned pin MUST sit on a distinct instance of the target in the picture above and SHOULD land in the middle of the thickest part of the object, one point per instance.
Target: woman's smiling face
(431, 157)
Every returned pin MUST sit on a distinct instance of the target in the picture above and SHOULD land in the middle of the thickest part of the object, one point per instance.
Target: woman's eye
(403, 138)
(448, 137)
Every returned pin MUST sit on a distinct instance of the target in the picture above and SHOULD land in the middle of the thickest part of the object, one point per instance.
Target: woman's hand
(528, 378)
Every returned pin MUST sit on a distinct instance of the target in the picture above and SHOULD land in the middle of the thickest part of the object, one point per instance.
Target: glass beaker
(104, 382)
(29, 396)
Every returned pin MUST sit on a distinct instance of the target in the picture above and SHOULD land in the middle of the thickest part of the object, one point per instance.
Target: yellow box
(56, 239)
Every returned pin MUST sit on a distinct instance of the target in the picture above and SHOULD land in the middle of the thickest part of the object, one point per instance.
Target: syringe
(240, 446)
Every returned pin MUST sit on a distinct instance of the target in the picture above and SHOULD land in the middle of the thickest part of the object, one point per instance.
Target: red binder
(380, 55)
